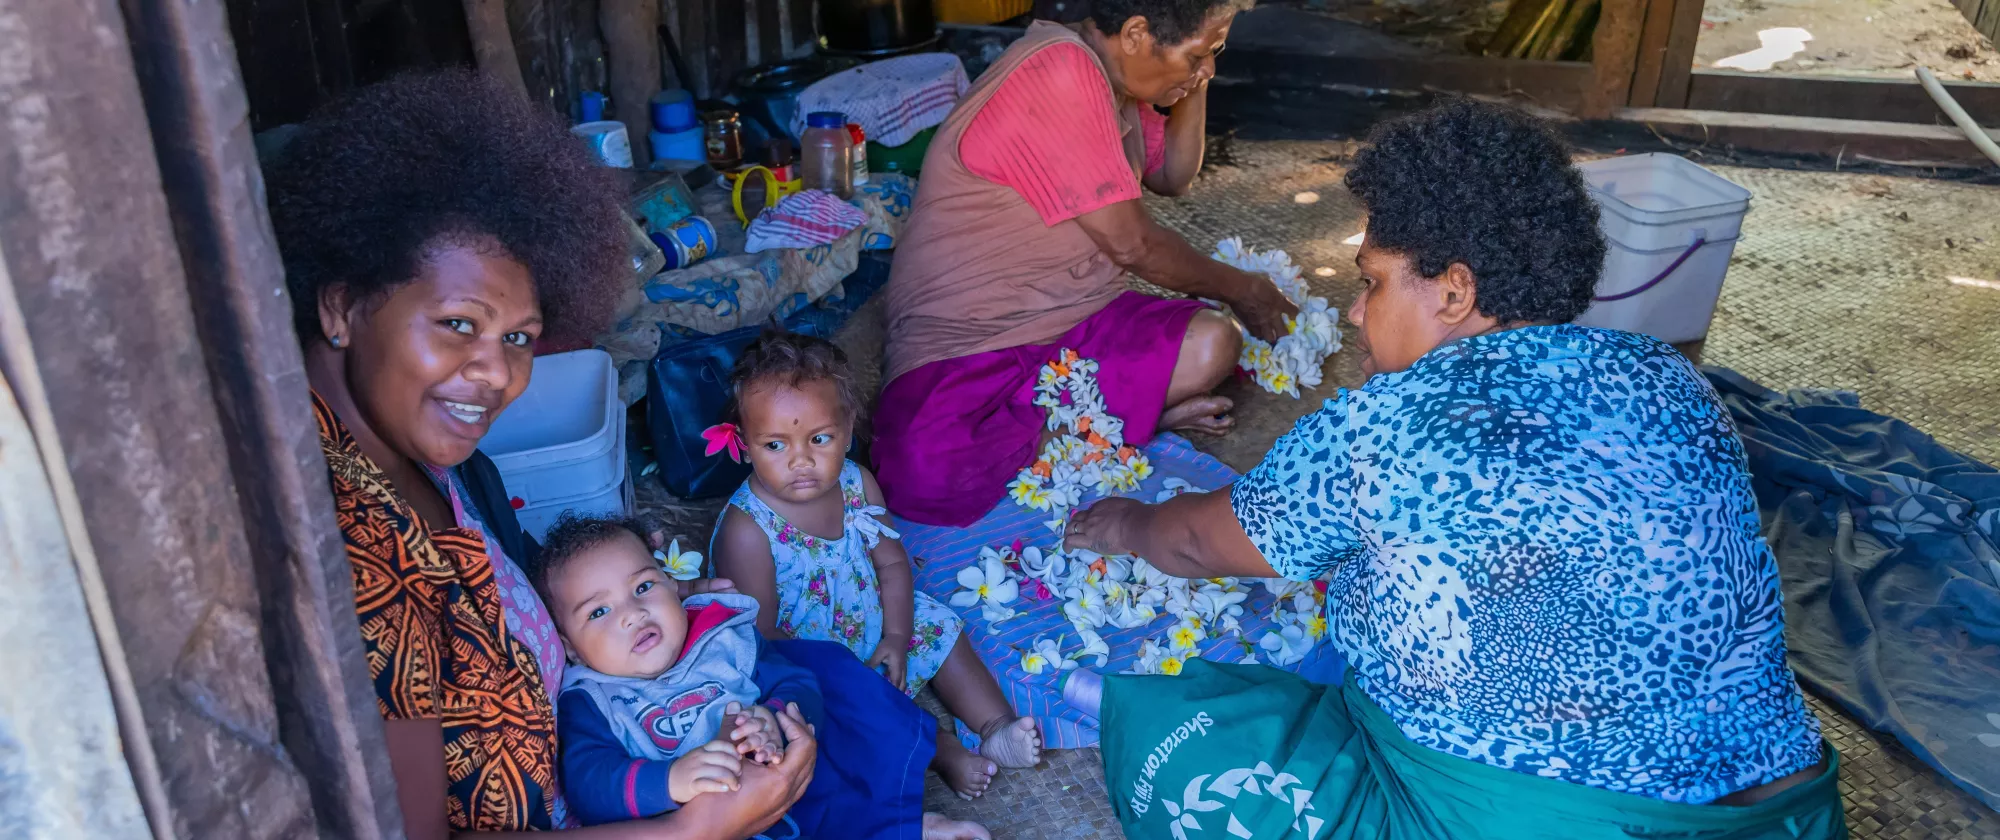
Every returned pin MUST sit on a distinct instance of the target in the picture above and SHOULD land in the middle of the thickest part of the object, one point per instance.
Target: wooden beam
(1683, 29)
(1551, 84)
(632, 45)
(728, 43)
(1614, 48)
(1886, 100)
(493, 43)
(1834, 139)
(691, 38)
(770, 32)
(1652, 52)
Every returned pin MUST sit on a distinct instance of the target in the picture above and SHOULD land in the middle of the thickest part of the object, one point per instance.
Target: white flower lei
(1119, 591)
(1090, 453)
(1296, 358)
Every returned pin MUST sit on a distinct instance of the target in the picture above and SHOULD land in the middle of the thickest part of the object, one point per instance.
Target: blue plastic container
(672, 111)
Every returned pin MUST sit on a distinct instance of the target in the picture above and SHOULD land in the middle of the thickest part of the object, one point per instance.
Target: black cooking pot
(876, 26)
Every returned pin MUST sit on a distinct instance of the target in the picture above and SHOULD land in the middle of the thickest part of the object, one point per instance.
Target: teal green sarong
(1246, 751)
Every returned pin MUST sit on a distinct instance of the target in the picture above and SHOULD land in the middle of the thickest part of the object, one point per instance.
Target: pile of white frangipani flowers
(1117, 591)
(1312, 336)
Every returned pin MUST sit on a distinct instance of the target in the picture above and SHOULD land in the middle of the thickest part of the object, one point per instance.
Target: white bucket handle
(1700, 239)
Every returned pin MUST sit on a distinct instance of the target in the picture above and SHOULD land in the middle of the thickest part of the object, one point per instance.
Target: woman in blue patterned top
(1540, 541)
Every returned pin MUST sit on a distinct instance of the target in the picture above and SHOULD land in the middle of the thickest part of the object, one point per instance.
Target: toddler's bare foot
(1207, 414)
(965, 772)
(1012, 742)
(940, 827)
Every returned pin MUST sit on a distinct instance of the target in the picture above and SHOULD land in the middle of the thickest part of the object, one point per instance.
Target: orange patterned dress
(436, 640)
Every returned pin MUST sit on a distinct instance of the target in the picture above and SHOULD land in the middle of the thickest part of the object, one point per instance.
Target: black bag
(687, 389)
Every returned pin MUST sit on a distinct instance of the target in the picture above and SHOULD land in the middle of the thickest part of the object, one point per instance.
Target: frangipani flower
(1045, 654)
(1285, 646)
(1151, 654)
(1219, 607)
(1093, 645)
(679, 565)
(1186, 637)
(1170, 488)
(988, 585)
(1086, 607)
(1171, 666)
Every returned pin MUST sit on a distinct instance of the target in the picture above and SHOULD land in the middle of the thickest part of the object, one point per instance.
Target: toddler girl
(808, 537)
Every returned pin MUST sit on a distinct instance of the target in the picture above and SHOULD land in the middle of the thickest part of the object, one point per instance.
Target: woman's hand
(1101, 527)
(1263, 308)
(892, 655)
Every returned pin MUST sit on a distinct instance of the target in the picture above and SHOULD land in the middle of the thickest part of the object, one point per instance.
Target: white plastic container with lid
(561, 445)
(1670, 228)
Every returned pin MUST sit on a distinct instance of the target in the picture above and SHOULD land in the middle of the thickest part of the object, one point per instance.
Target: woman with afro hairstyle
(434, 229)
(1541, 551)
(1025, 225)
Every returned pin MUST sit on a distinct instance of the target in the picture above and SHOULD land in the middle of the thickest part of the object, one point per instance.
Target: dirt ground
(1874, 38)
(1878, 38)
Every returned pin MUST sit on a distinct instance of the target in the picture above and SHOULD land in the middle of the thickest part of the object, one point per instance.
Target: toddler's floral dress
(827, 588)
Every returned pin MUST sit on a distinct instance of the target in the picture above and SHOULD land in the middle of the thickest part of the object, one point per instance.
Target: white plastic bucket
(1670, 227)
(561, 445)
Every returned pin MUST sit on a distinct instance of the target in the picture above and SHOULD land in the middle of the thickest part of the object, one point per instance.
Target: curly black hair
(792, 358)
(1491, 187)
(571, 536)
(376, 178)
(1171, 21)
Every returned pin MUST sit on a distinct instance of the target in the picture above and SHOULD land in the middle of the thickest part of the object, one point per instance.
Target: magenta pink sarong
(950, 435)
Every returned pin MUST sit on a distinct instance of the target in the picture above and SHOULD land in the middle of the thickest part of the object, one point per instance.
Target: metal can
(687, 242)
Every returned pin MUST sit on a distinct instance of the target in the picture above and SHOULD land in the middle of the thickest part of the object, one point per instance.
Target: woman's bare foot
(940, 827)
(1207, 413)
(1012, 742)
(967, 773)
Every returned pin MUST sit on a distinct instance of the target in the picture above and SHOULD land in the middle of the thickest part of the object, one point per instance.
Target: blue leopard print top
(1545, 556)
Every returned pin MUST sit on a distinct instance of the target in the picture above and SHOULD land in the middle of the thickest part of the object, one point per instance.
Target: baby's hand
(756, 734)
(712, 768)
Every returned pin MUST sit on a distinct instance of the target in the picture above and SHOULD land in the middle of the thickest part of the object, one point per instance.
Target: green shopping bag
(1243, 751)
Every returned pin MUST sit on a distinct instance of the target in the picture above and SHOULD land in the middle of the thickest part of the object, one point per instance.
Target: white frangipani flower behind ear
(679, 565)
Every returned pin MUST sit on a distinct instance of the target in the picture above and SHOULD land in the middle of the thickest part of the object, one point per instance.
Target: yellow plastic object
(981, 12)
(774, 191)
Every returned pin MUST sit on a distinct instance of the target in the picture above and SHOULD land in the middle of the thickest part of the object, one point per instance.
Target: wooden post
(493, 42)
(1614, 56)
(632, 45)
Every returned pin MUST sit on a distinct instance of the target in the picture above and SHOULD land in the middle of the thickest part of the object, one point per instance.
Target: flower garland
(1090, 451)
(1313, 335)
(1121, 591)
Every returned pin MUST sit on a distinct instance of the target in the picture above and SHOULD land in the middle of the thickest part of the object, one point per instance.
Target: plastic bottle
(826, 154)
(860, 154)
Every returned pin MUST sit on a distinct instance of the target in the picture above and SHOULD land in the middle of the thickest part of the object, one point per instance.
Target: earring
(336, 341)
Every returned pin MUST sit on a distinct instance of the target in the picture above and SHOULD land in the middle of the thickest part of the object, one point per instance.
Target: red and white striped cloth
(802, 220)
(892, 99)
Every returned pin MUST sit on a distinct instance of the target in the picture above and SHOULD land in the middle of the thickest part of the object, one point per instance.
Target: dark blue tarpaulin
(1889, 544)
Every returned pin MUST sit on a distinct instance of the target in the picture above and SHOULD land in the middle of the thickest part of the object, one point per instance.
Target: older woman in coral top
(1026, 221)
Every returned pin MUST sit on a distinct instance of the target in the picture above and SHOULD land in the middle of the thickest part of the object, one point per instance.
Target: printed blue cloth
(1889, 544)
(944, 551)
(1545, 558)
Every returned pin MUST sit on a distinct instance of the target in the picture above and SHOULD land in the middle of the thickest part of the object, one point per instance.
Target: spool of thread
(608, 142)
(672, 111)
(680, 145)
(689, 241)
